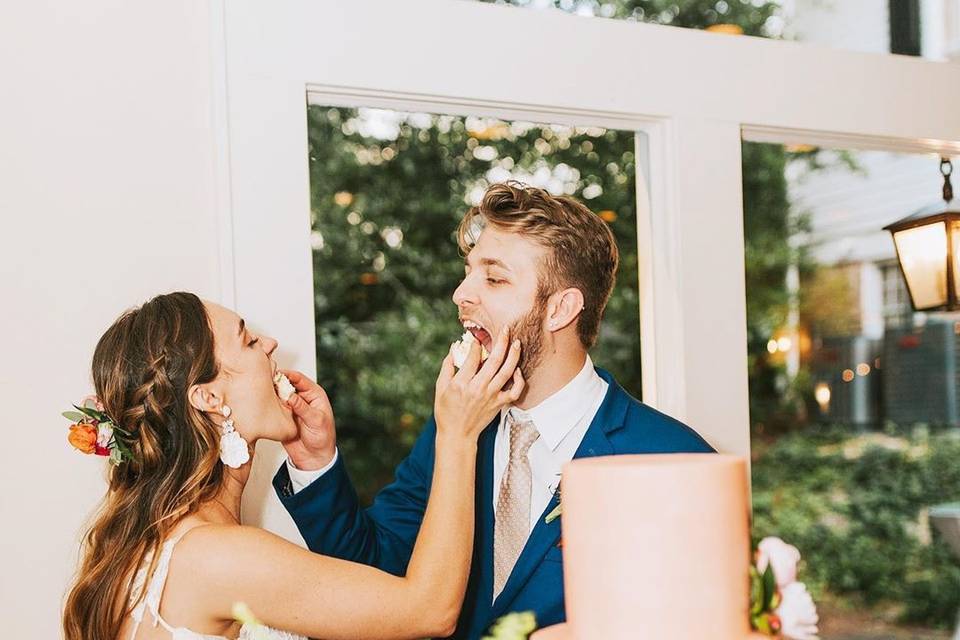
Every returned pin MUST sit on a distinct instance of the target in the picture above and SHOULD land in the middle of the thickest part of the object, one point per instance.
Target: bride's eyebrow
(241, 327)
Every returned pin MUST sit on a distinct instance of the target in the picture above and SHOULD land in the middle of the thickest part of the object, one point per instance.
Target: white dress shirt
(562, 420)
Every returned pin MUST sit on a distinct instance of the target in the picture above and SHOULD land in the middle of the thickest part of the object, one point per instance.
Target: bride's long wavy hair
(143, 368)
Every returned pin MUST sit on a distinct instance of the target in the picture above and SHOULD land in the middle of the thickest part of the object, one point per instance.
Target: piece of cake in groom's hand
(283, 386)
(461, 349)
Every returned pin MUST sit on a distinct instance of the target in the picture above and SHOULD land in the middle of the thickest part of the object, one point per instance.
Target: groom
(543, 268)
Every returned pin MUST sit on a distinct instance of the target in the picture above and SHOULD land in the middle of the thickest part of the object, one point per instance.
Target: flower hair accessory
(93, 431)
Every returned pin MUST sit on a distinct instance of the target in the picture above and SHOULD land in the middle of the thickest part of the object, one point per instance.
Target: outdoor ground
(842, 624)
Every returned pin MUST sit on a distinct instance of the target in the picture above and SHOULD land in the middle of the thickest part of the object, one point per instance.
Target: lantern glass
(955, 240)
(923, 257)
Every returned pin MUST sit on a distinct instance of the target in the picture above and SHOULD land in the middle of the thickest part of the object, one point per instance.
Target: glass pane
(854, 398)
(923, 254)
(955, 238)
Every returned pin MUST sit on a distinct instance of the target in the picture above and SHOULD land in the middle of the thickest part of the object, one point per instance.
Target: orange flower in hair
(83, 437)
(95, 432)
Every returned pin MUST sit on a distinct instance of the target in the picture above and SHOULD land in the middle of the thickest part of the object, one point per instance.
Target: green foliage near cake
(513, 626)
(856, 505)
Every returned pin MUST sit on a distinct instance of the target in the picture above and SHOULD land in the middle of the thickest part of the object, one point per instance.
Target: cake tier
(656, 546)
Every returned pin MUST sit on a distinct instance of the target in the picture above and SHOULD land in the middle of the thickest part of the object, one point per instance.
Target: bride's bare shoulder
(228, 549)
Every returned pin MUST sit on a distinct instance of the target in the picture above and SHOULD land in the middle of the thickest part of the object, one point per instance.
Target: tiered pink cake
(655, 547)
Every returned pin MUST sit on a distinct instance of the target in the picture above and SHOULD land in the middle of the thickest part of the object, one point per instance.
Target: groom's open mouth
(480, 333)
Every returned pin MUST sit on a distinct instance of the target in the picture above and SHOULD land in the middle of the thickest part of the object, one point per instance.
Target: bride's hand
(316, 441)
(467, 400)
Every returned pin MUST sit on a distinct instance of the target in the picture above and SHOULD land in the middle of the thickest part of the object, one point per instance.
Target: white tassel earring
(234, 450)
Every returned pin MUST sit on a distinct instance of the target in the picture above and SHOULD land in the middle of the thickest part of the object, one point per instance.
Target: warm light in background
(728, 29)
(847, 375)
(927, 245)
(822, 394)
(923, 256)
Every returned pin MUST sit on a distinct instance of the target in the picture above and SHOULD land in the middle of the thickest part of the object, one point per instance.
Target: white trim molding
(692, 94)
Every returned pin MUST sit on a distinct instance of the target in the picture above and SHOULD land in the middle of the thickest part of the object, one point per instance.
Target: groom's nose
(464, 294)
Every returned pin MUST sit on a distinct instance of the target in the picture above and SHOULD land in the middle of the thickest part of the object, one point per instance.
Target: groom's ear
(564, 308)
(204, 399)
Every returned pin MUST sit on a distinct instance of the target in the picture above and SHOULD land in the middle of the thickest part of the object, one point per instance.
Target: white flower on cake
(781, 606)
(781, 556)
(283, 386)
(797, 613)
(461, 349)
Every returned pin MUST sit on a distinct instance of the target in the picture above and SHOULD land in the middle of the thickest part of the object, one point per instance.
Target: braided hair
(143, 369)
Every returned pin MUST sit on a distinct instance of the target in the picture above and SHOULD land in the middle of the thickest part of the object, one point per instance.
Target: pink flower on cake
(781, 556)
(779, 605)
(797, 613)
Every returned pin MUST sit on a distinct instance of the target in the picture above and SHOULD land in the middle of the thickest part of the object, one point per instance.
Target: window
(388, 189)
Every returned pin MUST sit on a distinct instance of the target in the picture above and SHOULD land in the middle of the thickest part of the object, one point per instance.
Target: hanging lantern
(928, 249)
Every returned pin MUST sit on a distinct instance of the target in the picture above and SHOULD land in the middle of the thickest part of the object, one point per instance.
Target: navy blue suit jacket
(332, 522)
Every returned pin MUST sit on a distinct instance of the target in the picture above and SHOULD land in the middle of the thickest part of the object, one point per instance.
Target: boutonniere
(556, 512)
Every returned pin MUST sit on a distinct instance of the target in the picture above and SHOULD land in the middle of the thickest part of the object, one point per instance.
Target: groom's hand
(316, 441)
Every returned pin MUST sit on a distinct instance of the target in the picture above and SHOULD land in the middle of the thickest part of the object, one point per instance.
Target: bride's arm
(293, 589)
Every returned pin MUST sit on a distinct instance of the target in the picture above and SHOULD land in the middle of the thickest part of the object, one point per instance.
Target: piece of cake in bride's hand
(283, 386)
(461, 349)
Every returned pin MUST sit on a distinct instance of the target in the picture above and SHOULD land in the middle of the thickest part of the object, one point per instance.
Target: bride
(167, 556)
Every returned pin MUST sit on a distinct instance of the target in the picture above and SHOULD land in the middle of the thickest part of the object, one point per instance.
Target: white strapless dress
(151, 603)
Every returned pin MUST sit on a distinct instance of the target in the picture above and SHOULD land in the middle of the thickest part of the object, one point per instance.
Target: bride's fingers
(492, 365)
(508, 368)
(447, 370)
(469, 368)
(513, 394)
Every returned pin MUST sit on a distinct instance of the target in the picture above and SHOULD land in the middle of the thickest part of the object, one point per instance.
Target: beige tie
(512, 524)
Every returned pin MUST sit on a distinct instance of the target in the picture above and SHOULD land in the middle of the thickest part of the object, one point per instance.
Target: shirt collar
(556, 416)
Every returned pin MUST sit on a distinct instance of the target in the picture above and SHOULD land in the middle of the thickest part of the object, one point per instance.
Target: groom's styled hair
(582, 252)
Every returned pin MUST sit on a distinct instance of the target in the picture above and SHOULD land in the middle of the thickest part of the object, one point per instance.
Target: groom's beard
(529, 330)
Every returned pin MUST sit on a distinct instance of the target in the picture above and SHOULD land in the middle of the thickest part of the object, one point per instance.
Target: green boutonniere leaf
(553, 515)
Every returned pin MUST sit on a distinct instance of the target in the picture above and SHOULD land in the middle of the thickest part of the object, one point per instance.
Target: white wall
(107, 197)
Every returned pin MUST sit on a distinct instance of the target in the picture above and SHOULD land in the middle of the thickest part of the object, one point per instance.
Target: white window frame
(695, 95)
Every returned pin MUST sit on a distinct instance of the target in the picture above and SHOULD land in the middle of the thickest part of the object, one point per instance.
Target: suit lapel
(485, 519)
(610, 417)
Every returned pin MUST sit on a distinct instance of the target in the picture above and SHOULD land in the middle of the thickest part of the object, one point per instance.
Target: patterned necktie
(513, 504)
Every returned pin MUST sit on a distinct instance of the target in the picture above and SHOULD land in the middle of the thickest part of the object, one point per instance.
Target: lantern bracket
(946, 168)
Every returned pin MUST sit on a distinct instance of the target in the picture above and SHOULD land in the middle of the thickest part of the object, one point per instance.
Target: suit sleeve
(329, 516)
